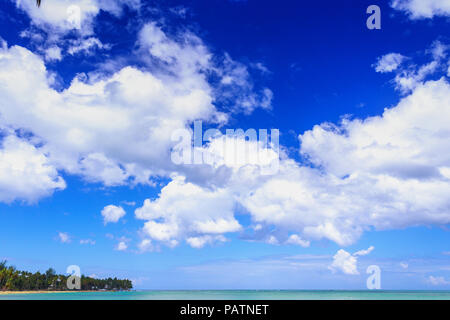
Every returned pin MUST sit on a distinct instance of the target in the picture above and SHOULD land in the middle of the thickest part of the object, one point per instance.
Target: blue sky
(88, 108)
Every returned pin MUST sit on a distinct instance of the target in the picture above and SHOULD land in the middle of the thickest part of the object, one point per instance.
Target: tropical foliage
(12, 279)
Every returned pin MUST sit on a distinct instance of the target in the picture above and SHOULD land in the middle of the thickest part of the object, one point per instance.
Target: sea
(235, 295)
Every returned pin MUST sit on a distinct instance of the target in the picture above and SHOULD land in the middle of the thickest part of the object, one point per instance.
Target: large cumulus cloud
(384, 172)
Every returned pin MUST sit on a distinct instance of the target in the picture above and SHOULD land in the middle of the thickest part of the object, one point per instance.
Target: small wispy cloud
(364, 252)
(87, 241)
(438, 281)
(64, 237)
(121, 246)
(129, 203)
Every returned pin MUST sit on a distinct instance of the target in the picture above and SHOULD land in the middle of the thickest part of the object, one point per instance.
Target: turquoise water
(236, 295)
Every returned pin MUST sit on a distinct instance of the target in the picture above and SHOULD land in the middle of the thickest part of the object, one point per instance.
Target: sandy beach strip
(40, 291)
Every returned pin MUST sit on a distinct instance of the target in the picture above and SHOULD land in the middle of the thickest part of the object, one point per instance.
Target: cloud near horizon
(346, 262)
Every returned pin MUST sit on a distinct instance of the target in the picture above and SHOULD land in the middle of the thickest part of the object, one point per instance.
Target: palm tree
(38, 3)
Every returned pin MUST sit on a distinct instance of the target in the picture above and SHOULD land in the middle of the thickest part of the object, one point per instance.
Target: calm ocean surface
(236, 295)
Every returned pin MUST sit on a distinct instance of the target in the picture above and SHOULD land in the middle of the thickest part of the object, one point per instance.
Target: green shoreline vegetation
(12, 279)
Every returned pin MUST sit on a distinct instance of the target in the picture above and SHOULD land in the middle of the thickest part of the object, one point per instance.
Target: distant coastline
(4, 292)
(17, 281)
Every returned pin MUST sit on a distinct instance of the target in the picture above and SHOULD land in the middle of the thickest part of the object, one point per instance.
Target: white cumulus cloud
(408, 75)
(389, 62)
(200, 242)
(346, 262)
(421, 9)
(25, 171)
(86, 129)
(296, 240)
(64, 15)
(112, 214)
(188, 212)
(385, 172)
(53, 54)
